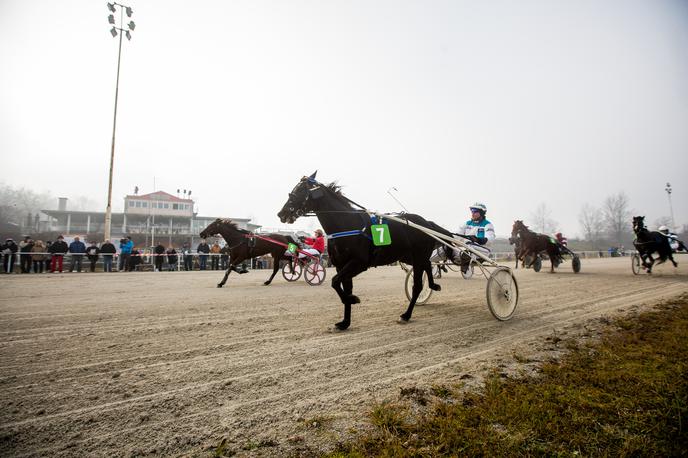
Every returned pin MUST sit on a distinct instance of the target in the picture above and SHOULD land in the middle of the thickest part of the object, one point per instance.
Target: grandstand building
(158, 215)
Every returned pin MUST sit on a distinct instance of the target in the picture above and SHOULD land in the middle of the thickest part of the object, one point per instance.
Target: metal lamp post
(127, 32)
(671, 207)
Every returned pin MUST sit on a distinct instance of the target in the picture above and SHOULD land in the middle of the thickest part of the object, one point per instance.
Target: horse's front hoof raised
(341, 326)
(436, 287)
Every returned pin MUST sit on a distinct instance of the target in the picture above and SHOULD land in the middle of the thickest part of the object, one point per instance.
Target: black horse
(532, 243)
(243, 245)
(648, 242)
(350, 247)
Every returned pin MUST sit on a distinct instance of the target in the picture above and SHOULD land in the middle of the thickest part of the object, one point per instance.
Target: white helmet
(478, 206)
(663, 229)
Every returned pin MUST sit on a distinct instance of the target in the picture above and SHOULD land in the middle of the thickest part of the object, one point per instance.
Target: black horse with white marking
(350, 246)
(648, 242)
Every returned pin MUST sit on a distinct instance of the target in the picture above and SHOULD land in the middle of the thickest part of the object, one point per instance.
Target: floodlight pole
(108, 209)
(671, 207)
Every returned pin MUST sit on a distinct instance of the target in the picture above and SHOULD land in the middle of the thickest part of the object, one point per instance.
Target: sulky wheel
(289, 274)
(537, 265)
(576, 263)
(315, 273)
(635, 264)
(425, 293)
(502, 293)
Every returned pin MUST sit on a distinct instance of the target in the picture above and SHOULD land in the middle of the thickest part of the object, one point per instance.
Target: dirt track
(165, 363)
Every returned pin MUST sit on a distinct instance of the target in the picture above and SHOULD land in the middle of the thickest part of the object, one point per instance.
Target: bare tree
(542, 220)
(590, 219)
(663, 221)
(617, 217)
(16, 204)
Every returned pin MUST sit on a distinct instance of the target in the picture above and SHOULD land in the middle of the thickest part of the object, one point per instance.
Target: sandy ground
(129, 364)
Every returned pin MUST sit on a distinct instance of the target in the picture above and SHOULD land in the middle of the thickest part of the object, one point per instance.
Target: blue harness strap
(337, 235)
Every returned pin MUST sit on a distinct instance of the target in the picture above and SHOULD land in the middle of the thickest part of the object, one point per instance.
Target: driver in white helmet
(674, 242)
(478, 231)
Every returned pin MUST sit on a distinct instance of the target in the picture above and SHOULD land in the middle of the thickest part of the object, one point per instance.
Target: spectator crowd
(38, 256)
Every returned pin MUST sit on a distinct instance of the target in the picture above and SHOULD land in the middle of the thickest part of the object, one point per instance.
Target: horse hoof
(219, 285)
(353, 299)
(436, 287)
(266, 283)
(341, 326)
(402, 320)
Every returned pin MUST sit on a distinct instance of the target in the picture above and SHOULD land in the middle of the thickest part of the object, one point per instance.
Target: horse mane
(335, 188)
(233, 225)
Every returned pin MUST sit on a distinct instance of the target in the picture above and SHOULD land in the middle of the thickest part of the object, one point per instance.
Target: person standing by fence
(92, 252)
(78, 250)
(188, 257)
(38, 256)
(48, 257)
(159, 252)
(215, 256)
(25, 247)
(203, 250)
(9, 248)
(107, 249)
(58, 250)
(172, 258)
(125, 247)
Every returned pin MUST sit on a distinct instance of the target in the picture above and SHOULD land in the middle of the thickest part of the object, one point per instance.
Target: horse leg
(275, 268)
(224, 280)
(431, 281)
(418, 272)
(342, 283)
(650, 264)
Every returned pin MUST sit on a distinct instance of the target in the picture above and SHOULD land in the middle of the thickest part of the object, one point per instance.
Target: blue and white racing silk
(481, 229)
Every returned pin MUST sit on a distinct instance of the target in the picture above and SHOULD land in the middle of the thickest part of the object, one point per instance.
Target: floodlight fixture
(111, 7)
(111, 19)
(131, 25)
(129, 11)
(113, 31)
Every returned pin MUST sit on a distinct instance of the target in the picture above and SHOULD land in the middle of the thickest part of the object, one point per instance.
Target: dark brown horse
(243, 245)
(351, 248)
(533, 243)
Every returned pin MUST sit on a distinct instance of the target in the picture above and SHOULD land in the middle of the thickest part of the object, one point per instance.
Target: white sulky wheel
(425, 293)
(502, 293)
(315, 273)
(635, 264)
(469, 272)
(289, 274)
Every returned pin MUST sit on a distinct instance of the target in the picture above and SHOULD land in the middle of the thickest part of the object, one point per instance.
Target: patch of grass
(624, 395)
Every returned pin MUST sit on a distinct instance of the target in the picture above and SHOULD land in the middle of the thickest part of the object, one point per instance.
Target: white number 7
(381, 230)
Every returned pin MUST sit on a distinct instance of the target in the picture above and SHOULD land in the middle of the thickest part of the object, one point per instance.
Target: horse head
(517, 229)
(638, 224)
(301, 199)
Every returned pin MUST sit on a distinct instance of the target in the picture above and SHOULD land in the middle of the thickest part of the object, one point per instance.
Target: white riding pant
(439, 254)
(311, 251)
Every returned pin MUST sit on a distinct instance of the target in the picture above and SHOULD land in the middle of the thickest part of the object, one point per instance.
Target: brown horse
(243, 245)
(532, 243)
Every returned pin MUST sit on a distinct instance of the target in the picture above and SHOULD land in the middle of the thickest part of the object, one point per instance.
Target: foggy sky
(509, 103)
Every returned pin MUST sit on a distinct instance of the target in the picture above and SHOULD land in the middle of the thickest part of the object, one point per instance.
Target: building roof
(157, 195)
(56, 213)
